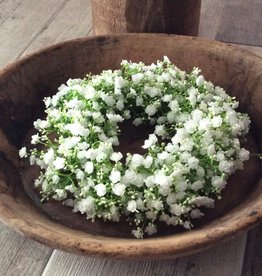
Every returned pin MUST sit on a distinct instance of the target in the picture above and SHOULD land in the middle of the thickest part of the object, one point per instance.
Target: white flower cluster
(191, 153)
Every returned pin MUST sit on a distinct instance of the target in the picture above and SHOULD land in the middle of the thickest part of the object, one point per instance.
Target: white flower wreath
(191, 153)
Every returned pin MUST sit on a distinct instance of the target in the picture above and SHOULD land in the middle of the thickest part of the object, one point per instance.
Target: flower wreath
(194, 148)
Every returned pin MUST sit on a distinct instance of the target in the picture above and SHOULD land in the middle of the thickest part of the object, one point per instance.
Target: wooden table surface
(28, 25)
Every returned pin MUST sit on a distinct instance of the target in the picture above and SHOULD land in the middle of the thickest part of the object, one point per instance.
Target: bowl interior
(22, 88)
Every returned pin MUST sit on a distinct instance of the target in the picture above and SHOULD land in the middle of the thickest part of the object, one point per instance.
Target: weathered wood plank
(252, 265)
(224, 259)
(21, 256)
(211, 12)
(241, 22)
(6, 8)
(72, 21)
(24, 24)
(255, 50)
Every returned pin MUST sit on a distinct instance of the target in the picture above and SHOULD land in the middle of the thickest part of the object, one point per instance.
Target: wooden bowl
(22, 88)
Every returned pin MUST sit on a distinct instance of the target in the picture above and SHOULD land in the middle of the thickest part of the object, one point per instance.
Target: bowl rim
(150, 248)
(9, 67)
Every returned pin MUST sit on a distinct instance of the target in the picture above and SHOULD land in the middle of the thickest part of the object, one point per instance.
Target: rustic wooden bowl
(22, 88)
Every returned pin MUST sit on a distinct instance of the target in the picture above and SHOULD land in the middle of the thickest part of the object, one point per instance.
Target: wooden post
(151, 16)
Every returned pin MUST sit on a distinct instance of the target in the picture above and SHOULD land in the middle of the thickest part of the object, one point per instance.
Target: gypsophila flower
(116, 156)
(119, 189)
(131, 206)
(59, 163)
(194, 147)
(22, 152)
(89, 167)
(115, 176)
(100, 189)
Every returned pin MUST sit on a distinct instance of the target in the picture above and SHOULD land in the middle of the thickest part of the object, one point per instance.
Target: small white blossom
(148, 161)
(41, 124)
(114, 118)
(131, 206)
(243, 154)
(137, 121)
(160, 130)
(192, 93)
(217, 121)
(150, 181)
(167, 98)
(152, 92)
(90, 92)
(89, 167)
(137, 78)
(150, 229)
(137, 160)
(177, 209)
(119, 82)
(100, 189)
(59, 163)
(171, 117)
(22, 152)
(174, 106)
(32, 159)
(115, 176)
(71, 142)
(151, 110)
(79, 174)
(55, 179)
(139, 101)
(225, 166)
(138, 233)
(163, 155)
(150, 141)
(157, 204)
(48, 156)
(204, 124)
(218, 182)
(200, 80)
(161, 120)
(203, 201)
(101, 156)
(196, 213)
(77, 129)
(197, 185)
(109, 100)
(60, 194)
(35, 139)
(211, 150)
(116, 156)
(193, 162)
(119, 189)
(162, 179)
(85, 205)
(120, 105)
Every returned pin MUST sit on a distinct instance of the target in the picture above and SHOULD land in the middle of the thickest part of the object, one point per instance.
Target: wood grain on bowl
(22, 88)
